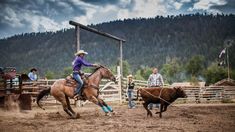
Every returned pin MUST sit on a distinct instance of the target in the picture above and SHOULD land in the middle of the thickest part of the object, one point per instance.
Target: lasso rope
(158, 96)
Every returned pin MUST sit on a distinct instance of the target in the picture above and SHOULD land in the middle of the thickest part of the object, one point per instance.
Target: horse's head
(107, 74)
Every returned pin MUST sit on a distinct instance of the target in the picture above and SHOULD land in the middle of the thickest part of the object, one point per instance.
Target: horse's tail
(41, 95)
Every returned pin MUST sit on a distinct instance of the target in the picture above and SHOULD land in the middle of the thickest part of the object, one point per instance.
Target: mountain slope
(149, 42)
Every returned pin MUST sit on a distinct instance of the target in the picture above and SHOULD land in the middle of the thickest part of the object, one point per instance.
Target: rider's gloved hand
(96, 65)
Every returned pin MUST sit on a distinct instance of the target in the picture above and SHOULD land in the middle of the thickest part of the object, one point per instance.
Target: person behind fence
(155, 80)
(130, 88)
(33, 74)
(77, 63)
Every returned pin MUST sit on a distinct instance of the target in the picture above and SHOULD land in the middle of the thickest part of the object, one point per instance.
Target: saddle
(71, 82)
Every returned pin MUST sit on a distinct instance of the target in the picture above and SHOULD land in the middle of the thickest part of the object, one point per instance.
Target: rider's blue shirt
(78, 62)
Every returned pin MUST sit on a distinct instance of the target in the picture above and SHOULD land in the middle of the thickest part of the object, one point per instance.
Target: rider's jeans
(77, 77)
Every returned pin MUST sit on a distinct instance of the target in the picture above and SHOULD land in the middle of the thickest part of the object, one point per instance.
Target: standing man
(33, 74)
(130, 88)
(155, 80)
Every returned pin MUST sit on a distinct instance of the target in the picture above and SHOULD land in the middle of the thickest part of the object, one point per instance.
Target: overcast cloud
(21, 16)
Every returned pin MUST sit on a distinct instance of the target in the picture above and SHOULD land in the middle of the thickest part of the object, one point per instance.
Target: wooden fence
(195, 94)
(109, 91)
(117, 92)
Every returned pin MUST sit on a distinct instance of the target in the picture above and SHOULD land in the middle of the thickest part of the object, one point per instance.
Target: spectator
(130, 88)
(33, 74)
(155, 80)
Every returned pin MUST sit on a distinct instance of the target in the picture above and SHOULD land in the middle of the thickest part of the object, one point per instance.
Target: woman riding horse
(78, 62)
(61, 91)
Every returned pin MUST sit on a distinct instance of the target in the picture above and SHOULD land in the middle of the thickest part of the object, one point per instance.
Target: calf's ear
(179, 88)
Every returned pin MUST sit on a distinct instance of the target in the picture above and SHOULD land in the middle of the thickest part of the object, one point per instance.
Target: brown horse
(61, 91)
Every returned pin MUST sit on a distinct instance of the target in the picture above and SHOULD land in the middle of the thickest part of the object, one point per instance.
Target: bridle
(92, 85)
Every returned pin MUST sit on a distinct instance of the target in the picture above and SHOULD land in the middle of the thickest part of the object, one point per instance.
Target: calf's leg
(145, 104)
(161, 110)
(164, 108)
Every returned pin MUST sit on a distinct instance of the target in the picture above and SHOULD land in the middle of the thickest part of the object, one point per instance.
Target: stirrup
(77, 97)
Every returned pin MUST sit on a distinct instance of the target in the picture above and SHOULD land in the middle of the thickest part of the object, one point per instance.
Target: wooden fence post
(119, 83)
(77, 32)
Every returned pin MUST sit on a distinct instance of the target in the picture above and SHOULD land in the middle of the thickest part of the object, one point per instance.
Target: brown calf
(168, 95)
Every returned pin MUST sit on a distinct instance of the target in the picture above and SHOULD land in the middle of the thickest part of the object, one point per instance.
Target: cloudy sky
(19, 16)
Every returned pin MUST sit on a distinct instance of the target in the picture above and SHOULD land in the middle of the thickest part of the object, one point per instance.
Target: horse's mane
(96, 69)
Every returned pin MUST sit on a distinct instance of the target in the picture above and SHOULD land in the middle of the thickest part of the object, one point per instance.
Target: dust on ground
(187, 117)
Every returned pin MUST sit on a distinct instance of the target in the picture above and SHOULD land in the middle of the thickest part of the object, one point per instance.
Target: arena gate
(79, 26)
(11, 86)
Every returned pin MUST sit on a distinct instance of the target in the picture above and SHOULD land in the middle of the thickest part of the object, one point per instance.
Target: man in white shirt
(32, 75)
(155, 80)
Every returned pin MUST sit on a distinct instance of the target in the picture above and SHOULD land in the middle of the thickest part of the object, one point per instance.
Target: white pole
(77, 31)
(228, 64)
(121, 58)
(119, 83)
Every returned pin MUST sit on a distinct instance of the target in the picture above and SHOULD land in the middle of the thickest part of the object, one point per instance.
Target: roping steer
(164, 96)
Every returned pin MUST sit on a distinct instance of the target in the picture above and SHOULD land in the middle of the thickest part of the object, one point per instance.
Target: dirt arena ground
(186, 117)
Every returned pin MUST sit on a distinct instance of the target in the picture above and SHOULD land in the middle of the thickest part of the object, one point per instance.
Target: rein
(95, 87)
(92, 85)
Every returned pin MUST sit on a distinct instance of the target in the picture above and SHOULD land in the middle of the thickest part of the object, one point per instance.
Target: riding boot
(78, 96)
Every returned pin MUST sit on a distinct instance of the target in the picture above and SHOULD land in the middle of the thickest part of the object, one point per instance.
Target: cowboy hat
(130, 76)
(80, 52)
(33, 69)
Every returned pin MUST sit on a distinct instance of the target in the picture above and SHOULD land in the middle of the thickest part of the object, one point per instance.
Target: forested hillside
(149, 42)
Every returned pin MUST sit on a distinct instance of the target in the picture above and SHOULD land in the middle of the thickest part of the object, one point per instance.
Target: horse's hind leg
(66, 109)
(75, 115)
(66, 106)
(68, 103)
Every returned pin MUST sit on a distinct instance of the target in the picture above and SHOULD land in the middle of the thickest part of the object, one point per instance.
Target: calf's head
(180, 92)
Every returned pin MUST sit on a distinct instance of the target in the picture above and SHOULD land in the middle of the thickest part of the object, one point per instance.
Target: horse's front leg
(97, 102)
(104, 104)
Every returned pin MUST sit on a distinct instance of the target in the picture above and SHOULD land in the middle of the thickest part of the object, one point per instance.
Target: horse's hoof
(75, 116)
(78, 115)
(108, 114)
(114, 113)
